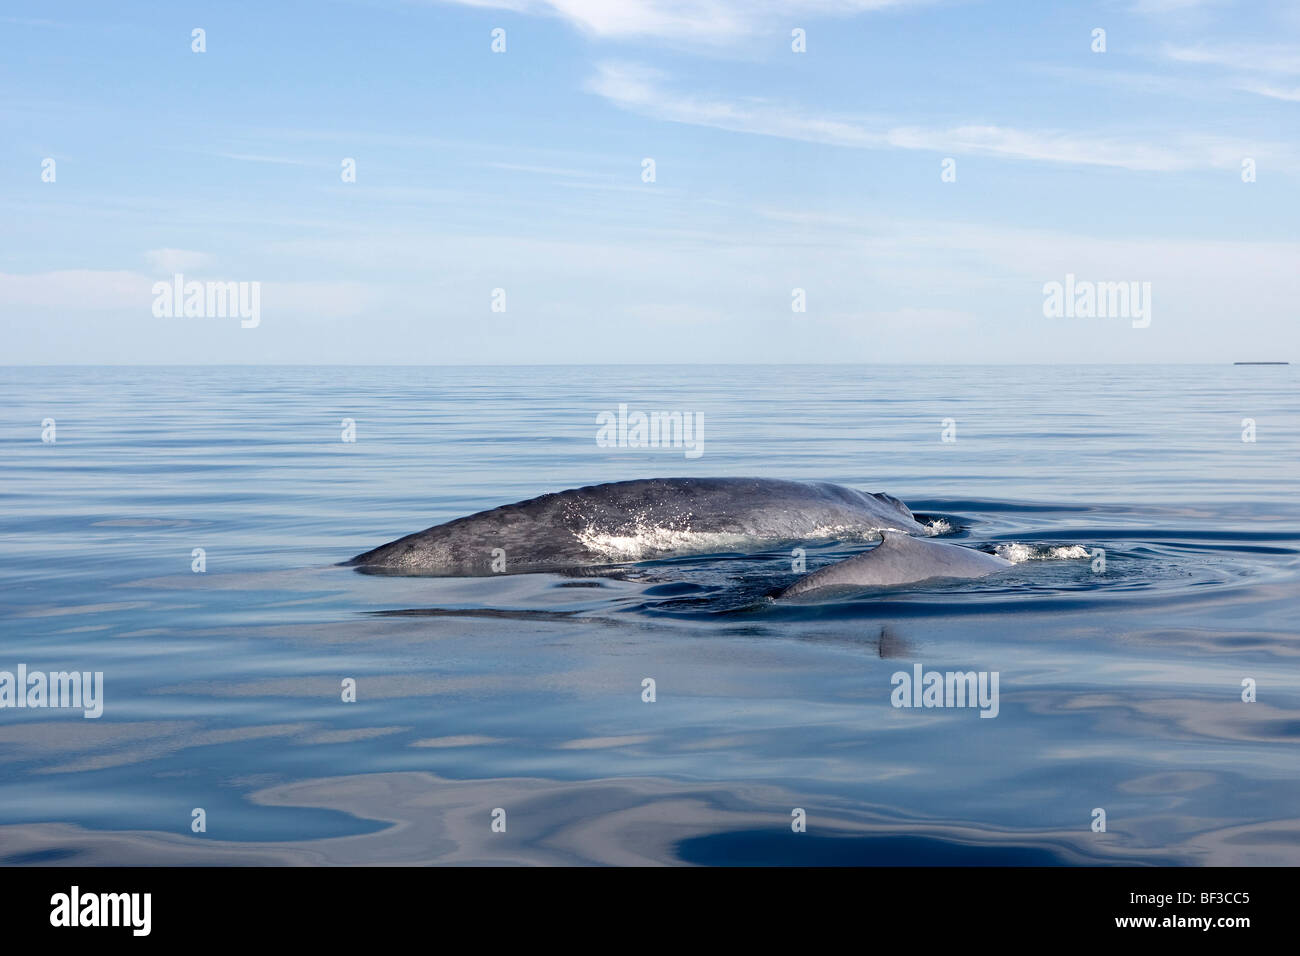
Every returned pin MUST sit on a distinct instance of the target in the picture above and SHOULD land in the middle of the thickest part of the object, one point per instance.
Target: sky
(920, 171)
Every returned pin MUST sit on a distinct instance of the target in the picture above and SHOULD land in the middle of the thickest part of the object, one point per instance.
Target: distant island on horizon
(1261, 363)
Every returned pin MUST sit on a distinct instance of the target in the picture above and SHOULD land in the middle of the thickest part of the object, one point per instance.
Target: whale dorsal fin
(900, 559)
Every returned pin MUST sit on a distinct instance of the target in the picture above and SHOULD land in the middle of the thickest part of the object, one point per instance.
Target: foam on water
(1017, 553)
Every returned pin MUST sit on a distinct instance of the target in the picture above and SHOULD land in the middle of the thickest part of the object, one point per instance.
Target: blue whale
(628, 521)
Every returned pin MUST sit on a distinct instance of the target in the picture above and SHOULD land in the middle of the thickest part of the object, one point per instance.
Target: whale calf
(900, 559)
(627, 521)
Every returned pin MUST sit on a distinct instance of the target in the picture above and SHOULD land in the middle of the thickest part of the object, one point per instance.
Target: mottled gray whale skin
(627, 521)
(900, 559)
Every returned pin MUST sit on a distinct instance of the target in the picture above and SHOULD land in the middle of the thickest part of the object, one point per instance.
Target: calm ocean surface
(1120, 691)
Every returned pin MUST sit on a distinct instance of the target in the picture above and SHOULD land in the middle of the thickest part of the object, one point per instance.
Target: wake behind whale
(639, 520)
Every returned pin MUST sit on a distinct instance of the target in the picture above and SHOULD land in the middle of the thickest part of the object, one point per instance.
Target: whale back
(900, 559)
(639, 520)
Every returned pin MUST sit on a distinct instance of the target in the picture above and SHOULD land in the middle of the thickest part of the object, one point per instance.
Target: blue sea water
(520, 697)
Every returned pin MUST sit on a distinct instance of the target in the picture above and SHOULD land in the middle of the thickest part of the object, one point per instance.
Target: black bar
(209, 906)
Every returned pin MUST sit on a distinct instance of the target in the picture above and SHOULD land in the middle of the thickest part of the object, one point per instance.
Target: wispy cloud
(31, 22)
(707, 21)
(176, 260)
(1272, 92)
(646, 92)
(874, 286)
(1247, 58)
(253, 158)
(1258, 67)
(76, 291)
(546, 170)
(1182, 7)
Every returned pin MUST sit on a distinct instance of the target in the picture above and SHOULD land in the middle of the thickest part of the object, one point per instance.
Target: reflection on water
(769, 848)
(1120, 690)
